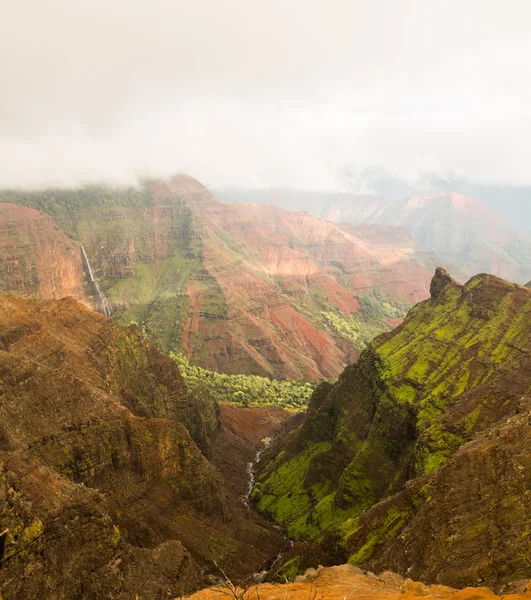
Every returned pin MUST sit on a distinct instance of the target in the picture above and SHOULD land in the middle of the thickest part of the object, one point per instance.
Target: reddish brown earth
(302, 248)
(460, 230)
(252, 425)
(271, 264)
(105, 484)
(240, 288)
(37, 258)
(345, 581)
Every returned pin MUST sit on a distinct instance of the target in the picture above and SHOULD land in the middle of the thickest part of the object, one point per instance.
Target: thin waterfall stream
(246, 499)
(104, 303)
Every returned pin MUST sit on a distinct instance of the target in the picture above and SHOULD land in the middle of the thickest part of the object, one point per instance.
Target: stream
(246, 499)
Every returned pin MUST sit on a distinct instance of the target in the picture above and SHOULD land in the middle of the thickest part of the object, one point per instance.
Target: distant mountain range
(464, 232)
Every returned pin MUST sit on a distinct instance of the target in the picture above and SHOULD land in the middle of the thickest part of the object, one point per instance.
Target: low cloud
(256, 93)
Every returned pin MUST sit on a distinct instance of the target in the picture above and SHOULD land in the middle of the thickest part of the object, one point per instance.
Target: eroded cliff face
(417, 459)
(36, 257)
(240, 288)
(105, 484)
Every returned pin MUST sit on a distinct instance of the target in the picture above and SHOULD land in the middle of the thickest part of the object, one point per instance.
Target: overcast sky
(264, 92)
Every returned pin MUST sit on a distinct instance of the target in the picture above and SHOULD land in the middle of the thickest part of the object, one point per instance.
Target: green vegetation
(247, 390)
(353, 329)
(395, 414)
(285, 497)
(59, 201)
(377, 309)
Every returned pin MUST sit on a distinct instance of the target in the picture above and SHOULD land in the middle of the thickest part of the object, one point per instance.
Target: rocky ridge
(111, 473)
(346, 581)
(461, 230)
(464, 232)
(37, 258)
(417, 459)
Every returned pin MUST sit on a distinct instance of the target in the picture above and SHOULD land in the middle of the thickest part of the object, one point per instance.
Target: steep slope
(434, 417)
(239, 288)
(461, 230)
(105, 487)
(37, 258)
(464, 232)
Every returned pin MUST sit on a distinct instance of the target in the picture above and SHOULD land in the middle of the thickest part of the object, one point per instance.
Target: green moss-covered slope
(457, 366)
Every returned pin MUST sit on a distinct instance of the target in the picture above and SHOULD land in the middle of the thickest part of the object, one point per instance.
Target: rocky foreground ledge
(347, 582)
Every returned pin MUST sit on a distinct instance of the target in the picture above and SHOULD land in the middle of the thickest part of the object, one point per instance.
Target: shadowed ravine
(269, 565)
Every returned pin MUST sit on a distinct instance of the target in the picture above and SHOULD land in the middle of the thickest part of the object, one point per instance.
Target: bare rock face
(463, 232)
(440, 281)
(417, 459)
(105, 485)
(36, 257)
(238, 287)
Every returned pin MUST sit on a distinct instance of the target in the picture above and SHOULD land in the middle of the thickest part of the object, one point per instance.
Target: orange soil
(347, 582)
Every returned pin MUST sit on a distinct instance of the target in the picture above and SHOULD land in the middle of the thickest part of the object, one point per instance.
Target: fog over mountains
(254, 95)
(265, 300)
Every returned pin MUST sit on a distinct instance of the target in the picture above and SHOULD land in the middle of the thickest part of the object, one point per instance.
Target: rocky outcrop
(467, 524)
(347, 581)
(416, 460)
(105, 485)
(239, 288)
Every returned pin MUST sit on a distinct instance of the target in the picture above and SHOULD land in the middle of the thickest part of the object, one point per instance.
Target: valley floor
(235, 449)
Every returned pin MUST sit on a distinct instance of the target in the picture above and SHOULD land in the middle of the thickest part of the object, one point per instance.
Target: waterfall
(104, 304)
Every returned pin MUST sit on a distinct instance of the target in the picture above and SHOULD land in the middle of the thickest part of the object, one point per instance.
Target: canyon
(408, 475)
(238, 288)
(116, 480)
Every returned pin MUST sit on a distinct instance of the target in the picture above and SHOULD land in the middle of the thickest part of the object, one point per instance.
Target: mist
(258, 94)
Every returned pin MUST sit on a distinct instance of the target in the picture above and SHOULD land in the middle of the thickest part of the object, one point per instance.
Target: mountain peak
(440, 281)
